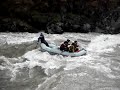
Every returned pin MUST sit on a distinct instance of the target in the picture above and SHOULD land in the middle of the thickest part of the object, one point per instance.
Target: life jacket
(76, 49)
(42, 39)
(75, 45)
(71, 48)
(63, 47)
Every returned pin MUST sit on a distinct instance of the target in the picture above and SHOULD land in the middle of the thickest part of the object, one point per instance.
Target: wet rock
(15, 25)
(86, 27)
(110, 23)
(76, 28)
(55, 28)
(116, 27)
(34, 15)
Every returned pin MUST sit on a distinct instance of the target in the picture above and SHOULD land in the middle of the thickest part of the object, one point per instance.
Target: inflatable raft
(53, 49)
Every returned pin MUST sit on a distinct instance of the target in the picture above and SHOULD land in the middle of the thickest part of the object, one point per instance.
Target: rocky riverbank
(58, 16)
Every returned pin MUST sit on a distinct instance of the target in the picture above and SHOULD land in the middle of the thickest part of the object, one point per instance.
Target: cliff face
(58, 16)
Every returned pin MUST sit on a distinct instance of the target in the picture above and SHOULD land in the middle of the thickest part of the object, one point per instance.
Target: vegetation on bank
(58, 16)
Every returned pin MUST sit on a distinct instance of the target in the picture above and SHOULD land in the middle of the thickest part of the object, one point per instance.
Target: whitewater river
(24, 67)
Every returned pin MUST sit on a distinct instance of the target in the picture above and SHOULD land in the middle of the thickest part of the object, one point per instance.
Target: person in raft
(68, 40)
(42, 38)
(74, 47)
(64, 46)
(71, 48)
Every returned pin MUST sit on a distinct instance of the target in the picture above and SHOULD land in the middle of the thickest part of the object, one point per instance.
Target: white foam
(43, 59)
(2, 67)
(98, 44)
(18, 38)
(104, 43)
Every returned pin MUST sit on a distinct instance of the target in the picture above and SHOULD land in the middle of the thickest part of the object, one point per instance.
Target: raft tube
(53, 49)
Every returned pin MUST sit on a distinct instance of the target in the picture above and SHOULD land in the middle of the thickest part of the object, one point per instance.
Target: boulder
(15, 25)
(55, 28)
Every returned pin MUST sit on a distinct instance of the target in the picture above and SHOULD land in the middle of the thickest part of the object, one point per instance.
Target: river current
(24, 67)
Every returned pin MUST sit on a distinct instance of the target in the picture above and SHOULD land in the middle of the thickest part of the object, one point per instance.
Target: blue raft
(53, 49)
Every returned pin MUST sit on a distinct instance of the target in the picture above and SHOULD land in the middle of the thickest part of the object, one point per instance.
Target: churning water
(24, 67)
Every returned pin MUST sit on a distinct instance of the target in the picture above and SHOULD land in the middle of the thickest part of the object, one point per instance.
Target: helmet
(68, 40)
(41, 34)
(75, 41)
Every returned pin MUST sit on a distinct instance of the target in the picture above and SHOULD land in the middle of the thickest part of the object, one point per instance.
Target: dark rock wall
(58, 16)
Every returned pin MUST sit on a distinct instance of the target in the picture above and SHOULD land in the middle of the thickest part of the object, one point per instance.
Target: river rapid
(24, 67)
